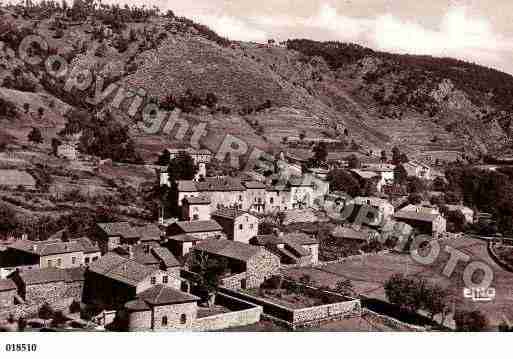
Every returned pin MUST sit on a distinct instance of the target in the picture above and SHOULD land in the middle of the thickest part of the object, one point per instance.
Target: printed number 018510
(20, 347)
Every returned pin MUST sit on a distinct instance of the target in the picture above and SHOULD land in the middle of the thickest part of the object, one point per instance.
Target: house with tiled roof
(149, 233)
(423, 221)
(49, 284)
(8, 292)
(289, 251)
(113, 234)
(196, 208)
(161, 308)
(114, 280)
(238, 225)
(200, 157)
(417, 169)
(309, 243)
(248, 265)
(151, 255)
(371, 211)
(26, 254)
(345, 233)
(182, 235)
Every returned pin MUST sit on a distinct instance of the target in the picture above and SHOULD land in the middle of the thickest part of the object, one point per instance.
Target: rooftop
(51, 275)
(229, 213)
(229, 249)
(417, 216)
(300, 238)
(159, 295)
(197, 226)
(197, 200)
(55, 246)
(149, 232)
(123, 229)
(6, 285)
(121, 269)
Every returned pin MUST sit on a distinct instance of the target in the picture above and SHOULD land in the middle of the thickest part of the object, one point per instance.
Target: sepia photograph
(199, 171)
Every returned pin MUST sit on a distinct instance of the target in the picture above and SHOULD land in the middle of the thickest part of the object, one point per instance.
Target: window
(183, 319)
(50, 263)
(164, 321)
(59, 262)
(87, 260)
(95, 259)
(153, 280)
(195, 217)
(240, 198)
(251, 226)
(73, 260)
(240, 227)
(165, 279)
(271, 200)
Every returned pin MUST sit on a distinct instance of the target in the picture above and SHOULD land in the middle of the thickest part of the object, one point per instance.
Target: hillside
(256, 92)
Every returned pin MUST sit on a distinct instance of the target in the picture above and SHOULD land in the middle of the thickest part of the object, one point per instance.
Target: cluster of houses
(141, 275)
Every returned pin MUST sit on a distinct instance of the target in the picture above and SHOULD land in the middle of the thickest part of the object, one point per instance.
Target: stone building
(8, 292)
(417, 169)
(68, 150)
(112, 235)
(309, 243)
(426, 223)
(248, 265)
(151, 255)
(161, 308)
(196, 208)
(198, 229)
(113, 280)
(26, 254)
(49, 284)
(289, 252)
(467, 212)
(200, 157)
(238, 225)
(149, 233)
(375, 210)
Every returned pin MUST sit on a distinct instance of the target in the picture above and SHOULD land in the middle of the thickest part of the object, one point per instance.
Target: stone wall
(339, 309)
(45, 292)
(174, 313)
(234, 281)
(260, 267)
(241, 313)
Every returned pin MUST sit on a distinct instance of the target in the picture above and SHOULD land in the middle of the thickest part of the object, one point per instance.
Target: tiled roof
(162, 295)
(220, 184)
(373, 201)
(43, 275)
(14, 178)
(350, 233)
(230, 213)
(297, 181)
(165, 256)
(300, 238)
(229, 249)
(417, 216)
(183, 238)
(150, 232)
(197, 200)
(123, 229)
(149, 254)
(75, 274)
(187, 186)
(55, 246)
(137, 305)
(6, 285)
(198, 226)
(254, 185)
(121, 269)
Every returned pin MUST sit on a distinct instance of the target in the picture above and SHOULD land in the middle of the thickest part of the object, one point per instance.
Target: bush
(74, 307)
(45, 312)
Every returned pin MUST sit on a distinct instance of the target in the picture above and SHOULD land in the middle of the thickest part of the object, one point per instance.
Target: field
(369, 275)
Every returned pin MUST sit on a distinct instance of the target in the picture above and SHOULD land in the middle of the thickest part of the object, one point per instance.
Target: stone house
(14, 178)
(200, 157)
(114, 234)
(49, 284)
(181, 244)
(289, 252)
(352, 234)
(71, 253)
(8, 292)
(376, 210)
(238, 225)
(150, 233)
(198, 229)
(417, 169)
(427, 223)
(196, 208)
(113, 280)
(161, 308)
(254, 198)
(151, 255)
(309, 243)
(248, 265)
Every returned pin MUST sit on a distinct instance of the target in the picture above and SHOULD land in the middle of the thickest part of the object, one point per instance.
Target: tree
(400, 174)
(302, 135)
(211, 100)
(45, 312)
(383, 155)
(435, 301)
(209, 271)
(353, 162)
(457, 220)
(341, 180)
(403, 292)
(35, 136)
(414, 198)
(396, 155)
(470, 321)
(182, 167)
(416, 185)
(320, 153)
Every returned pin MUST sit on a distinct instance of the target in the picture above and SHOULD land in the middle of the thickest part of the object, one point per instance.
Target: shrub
(46, 311)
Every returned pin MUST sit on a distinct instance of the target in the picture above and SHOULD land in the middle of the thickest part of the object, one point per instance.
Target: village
(268, 251)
